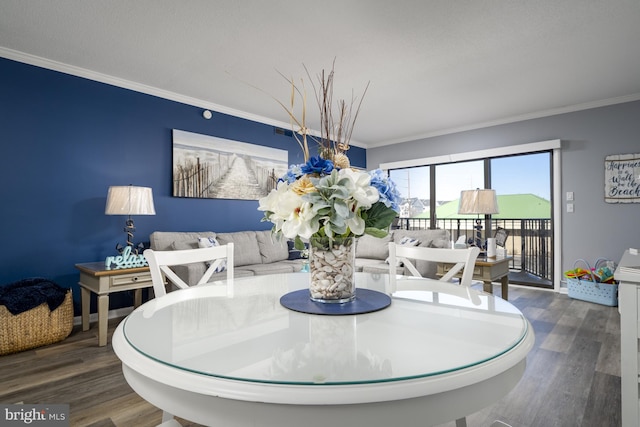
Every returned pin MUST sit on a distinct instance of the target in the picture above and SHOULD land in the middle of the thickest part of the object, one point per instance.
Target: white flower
(300, 222)
(359, 186)
(288, 212)
(326, 205)
(356, 225)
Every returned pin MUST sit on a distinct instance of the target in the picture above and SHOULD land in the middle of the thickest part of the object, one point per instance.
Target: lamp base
(136, 250)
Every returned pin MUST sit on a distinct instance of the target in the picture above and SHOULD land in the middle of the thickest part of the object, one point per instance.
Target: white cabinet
(628, 274)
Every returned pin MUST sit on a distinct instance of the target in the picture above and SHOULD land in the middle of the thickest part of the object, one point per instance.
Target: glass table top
(239, 331)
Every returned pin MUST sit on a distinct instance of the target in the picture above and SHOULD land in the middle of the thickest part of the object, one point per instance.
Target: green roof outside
(511, 206)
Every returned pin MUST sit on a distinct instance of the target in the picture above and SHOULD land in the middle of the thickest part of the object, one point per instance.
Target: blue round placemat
(366, 301)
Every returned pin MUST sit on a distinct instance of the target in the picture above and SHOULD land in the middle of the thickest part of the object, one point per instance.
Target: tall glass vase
(332, 268)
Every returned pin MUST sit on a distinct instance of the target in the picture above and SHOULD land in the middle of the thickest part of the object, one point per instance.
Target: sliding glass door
(523, 186)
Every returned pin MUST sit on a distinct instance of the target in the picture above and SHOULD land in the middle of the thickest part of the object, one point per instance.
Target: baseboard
(113, 314)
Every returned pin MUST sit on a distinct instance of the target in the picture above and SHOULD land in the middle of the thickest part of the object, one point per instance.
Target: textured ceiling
(434, 67)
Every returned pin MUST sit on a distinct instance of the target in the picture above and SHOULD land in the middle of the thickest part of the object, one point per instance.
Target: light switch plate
(570, 207)
(569, 195)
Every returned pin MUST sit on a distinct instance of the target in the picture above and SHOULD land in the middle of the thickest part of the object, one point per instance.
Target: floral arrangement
(324, 198)
(327, 202)
(316, 199)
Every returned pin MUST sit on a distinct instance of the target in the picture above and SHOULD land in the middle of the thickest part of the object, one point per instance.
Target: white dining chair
(463, 260)
(160, 263)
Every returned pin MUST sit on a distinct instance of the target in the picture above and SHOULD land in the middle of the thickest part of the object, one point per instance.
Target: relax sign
(125, 260)
(622, 178)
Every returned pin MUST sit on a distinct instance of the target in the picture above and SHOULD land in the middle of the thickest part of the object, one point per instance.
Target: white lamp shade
(478, 202)
(129, 200)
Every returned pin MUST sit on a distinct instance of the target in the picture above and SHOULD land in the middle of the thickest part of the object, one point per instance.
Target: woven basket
(36, 327)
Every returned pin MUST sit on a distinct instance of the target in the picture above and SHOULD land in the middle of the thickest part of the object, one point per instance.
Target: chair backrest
(160, 263)
(463, 259)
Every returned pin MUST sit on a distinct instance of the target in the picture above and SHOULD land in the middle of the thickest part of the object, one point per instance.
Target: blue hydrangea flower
(318, 165)
(389, 194)
(293, 173)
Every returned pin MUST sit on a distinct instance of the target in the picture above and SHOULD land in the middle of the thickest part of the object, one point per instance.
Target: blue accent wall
(66, 139)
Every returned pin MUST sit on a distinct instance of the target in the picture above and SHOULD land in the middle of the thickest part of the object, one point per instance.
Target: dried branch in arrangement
(299, 126)
(335, 129)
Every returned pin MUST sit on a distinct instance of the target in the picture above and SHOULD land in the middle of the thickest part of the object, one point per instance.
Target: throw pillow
(209, 242)
(405, 241)
(409, 241)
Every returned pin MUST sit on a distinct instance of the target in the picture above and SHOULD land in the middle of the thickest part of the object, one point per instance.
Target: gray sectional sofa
(258, 252)
(255, 253)
(372, 252)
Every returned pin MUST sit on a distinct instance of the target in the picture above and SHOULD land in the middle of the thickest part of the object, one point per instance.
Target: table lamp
(478, 202)
(129, 200)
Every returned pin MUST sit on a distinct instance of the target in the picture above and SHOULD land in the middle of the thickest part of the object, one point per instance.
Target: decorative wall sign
(208, 167)
(125, 260)
(622, 178)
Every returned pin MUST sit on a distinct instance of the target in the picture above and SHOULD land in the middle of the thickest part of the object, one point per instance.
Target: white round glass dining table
(229, 354)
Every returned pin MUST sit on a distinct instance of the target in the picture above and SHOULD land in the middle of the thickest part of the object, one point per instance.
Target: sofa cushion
(191, 273)
(271, 249)
(236, 274)
(296, 264)
(427, 238)
(380, 268)
(246, 250)
(373, 247)
(181, 245)
(163, 240)
(362, 263)
(273, 268)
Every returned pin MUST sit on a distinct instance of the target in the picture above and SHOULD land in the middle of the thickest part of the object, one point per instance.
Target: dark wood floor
(572, 376)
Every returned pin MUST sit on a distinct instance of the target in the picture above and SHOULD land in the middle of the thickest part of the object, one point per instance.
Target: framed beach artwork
(207, 167)
(622, 178)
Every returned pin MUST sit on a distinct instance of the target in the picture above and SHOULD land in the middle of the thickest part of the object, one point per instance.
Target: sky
(510, 175)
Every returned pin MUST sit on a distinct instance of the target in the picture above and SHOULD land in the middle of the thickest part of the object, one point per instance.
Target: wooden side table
(488, 270)
(94, 277)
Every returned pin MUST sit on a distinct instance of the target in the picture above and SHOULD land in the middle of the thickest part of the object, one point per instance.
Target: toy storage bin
(588, 288)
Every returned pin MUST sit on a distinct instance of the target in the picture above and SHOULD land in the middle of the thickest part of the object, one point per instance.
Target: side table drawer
(477, 270)
(129, 279)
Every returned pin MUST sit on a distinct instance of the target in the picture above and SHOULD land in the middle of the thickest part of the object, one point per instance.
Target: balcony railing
(529, 243)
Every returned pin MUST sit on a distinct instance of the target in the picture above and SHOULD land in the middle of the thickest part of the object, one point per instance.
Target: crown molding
(514, 119)
(142, 88)
(137, 87)
(196, 102)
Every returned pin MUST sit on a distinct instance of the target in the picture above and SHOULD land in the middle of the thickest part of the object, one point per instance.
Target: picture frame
(501, 237)
(208, 167)
(622, 178)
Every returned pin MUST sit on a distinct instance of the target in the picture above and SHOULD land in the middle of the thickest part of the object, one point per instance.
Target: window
(523, 186)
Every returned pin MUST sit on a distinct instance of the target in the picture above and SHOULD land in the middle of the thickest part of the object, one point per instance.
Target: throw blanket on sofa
(29, 293)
